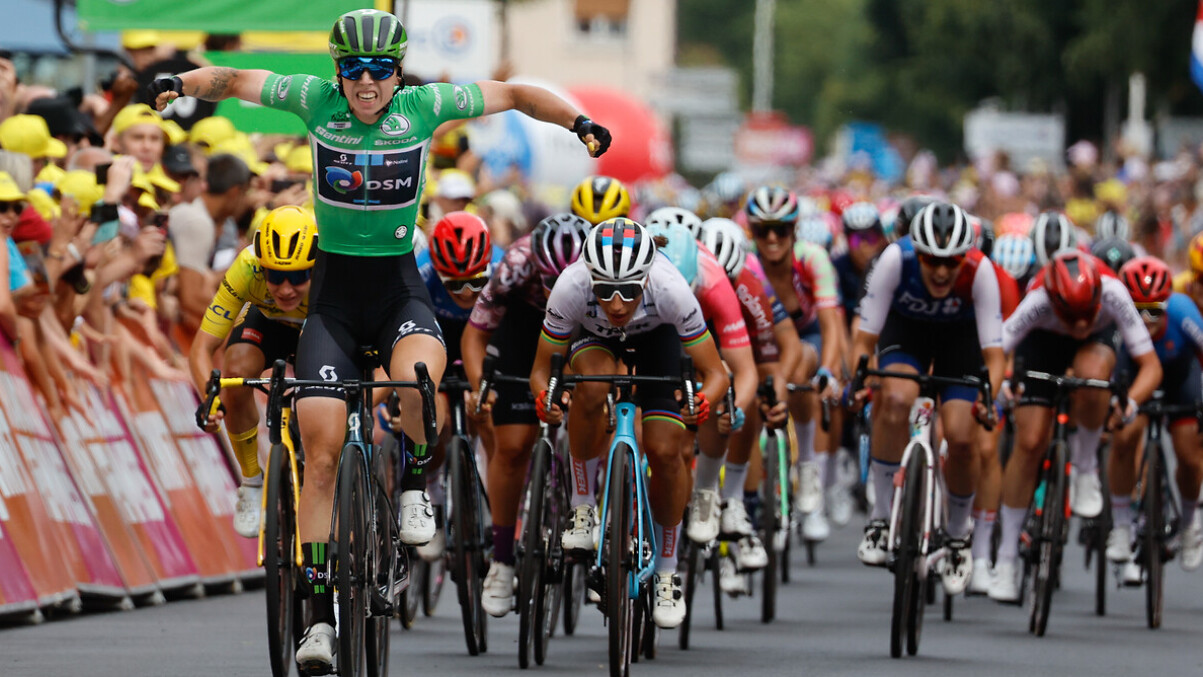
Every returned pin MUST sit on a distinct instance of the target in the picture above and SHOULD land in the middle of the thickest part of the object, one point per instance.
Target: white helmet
(1051, 234)
(725, 239)
(813, 229)
(666, 216)
(942, 230)
(1015, 254)
(1111, 224)
(619, 250)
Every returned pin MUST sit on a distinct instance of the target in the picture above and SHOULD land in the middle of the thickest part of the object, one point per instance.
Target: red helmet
(1074, 285)
(1147, 279)
(460, 246)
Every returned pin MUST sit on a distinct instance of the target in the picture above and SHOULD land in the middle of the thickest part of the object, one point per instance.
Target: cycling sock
(246, 450)
(708, 472)
(733, 481)
(983, 529)
(503, 544)
(829, 462)
(667, 537)
(417, 459)
(1084, 448)
(883, 488)
(584, 481)
(806, 441)
(959, 510)
(1121, 510)
(1012, 524)
(1188, 513)
(317, 583)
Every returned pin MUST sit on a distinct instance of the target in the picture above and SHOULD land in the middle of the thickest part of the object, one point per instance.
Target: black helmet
(1114, 252)
(907, 212)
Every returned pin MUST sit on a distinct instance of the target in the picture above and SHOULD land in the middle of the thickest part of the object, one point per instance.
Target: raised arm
(211, 83)
(541, 104)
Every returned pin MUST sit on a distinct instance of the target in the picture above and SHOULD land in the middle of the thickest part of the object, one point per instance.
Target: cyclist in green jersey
(369, 136)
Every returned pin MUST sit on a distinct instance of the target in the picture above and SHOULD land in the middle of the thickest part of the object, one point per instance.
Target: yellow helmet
(287, 239)
(598, 198)
(1196, 254)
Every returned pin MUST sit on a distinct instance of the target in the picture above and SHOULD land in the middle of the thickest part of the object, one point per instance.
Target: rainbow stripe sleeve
(693, 339)
(554, 337)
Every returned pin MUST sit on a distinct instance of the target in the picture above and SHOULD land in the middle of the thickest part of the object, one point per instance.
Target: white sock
(827, 465)
(983, 529)
(1012, 524)
(1121, 510)
(733, 482)
(1188, 514)
(1084, 448)
(708, 472)
(666, 562)
(806, 441)
(584, 481)
(959, 510)
(883, 488)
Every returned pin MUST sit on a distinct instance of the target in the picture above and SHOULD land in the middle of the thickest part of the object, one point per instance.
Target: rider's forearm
(862, 344)
(473, 346)
(200, 359)
(1147, 378)
(790, 346)
(541, 104)
(829, 328)
(211, 83)
(996, 363)
(743, 366)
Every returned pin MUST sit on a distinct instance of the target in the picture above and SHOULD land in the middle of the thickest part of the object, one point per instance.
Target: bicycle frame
(625, 433)
(922, 419)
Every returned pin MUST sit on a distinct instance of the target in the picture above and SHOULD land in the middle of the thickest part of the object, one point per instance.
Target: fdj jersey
(368, 178)
(912, 299)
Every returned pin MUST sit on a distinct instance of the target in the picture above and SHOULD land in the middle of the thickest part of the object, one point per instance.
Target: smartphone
(281, 185)
(102, 173)
(159, 220)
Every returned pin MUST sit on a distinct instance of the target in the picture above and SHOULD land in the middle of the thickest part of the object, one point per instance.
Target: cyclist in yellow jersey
(261, 303)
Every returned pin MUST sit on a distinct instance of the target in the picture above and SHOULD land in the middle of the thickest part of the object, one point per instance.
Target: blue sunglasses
(379, 67)
(296, 277)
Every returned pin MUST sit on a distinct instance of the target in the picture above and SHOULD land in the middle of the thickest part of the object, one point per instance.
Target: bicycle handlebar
(981, 382)
(558, 382)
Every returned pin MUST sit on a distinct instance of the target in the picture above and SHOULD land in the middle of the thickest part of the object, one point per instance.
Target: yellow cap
(240, 145)
(29, 134)
(141, 181)
(140, 39)
(43, 204)
(9, 191)
(51, 174)
(136, 114)
(175, 133)
(82, 187)
(1111, 191)
(299, 160)
(159, 179)
(211, 131)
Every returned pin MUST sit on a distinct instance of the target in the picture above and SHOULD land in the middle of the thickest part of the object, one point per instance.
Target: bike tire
(464, 537)
(1052, 527)
(382, 566)
(531, 567)
(638, 620)
(434, 576)
(555, 514)
(412, 596)
(574, 595)
(279, 564)
(691, 555)
(351, 561)
(1099, 538)
(770, 524)
(650, 641)
(924, 585)
(619, 563)
(906, 594)
(1153, 506)
(717, 586)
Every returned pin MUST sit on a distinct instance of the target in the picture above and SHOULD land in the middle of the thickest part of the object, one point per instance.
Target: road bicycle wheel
(620, 562)
(464, 541)
(1098, 544)
(1052, 527)
(639, 618)
(907, 595)
(574, 594)
(382, 567)
(712, 563)
(923, 582)
(649, 639)
(434, 574)
(351, 560)
(534, 545)
(411, 597)
(691, 559)
(770, 524)
(555, 515)
(279, 564)
(1153, 507)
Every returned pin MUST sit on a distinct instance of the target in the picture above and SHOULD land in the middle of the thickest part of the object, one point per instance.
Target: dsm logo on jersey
(342, 180)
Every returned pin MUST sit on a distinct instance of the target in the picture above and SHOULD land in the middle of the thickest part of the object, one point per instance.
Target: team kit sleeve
(883, 281)
(227, 303)
(987, 306)
(443, 101)
(566, 305)
(1184, 311)
(827, 292)
(508, 275)
(1030, 314)
(302, 95)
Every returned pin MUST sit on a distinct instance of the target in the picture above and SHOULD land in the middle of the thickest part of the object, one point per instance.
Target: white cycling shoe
(872, 548)
(839, 505)
(316, 653)
(730, 580)
(810, 488)
(703, 516)
(751, 555)
(1119, 544)
(1192, 544)
(735, 520)
(1004, 583)
(815, 527)
(247, 511)
(416, 519)
(432, 550)
(1086, 494)
(497, 597)
(979, 582)
(956, 569)
(580, 535)
(669, 607)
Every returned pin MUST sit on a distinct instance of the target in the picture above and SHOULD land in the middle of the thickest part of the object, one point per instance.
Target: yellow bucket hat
(30, 135)
(136, 114)
(9, 190)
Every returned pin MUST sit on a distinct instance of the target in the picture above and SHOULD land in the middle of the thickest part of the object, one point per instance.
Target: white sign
(696, 91)
(451, 39)
(708, 143)
(1022, 135)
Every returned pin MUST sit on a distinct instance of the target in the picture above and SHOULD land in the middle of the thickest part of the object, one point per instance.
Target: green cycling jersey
(367, 179)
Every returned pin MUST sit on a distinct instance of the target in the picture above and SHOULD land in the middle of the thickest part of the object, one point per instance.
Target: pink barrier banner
(17, 593)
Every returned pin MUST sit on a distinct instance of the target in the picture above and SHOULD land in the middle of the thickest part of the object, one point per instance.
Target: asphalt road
(833, 619)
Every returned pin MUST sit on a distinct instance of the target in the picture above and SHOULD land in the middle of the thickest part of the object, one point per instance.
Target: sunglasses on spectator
(940, 261)
(16, 205)
(1151, 312)
(781, 230)
(627, 291)
(870, 237)
(379, 67)
(294, 277)
(472, 284)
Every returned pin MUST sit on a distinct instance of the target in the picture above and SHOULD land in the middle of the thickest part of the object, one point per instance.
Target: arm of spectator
(56, 338)
(36, 369)
(68, 394)
(153, 364)
(8, 89)
(196, 288)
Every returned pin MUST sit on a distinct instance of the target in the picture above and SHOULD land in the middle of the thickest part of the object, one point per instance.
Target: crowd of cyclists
(749, 281)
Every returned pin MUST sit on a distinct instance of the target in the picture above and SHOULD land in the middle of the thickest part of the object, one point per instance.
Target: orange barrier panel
(17, 593)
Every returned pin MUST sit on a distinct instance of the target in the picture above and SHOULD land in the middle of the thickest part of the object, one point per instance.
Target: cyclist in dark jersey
(370, 135)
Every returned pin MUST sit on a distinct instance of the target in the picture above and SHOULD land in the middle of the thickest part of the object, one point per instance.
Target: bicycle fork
(643, 561)
(921, 418)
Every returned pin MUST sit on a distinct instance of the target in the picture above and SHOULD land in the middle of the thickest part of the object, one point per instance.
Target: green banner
(251, 117)
(213, 16)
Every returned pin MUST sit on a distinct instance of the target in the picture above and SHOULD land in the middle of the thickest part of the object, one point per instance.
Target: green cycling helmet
(368, 32)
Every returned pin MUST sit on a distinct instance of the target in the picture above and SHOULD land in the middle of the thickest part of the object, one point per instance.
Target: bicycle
(539, 554)
(626, 555)
(1047, 525)
(918, 513)
(1157, 517)
(818, 385)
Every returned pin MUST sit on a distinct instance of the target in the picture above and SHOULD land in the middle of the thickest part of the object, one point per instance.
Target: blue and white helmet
(860, 216)
(772, 204)
(1015, 254)
(813, 229)
(619, 250)
(682, 248)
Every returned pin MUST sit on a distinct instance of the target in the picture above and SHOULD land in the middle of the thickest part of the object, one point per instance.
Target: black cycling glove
(584, 127)
(161, 85)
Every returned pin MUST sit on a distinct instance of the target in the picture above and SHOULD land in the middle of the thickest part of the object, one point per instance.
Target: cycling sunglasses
(294, 277)
(472, 284)
(16, 205)
(1151, 312)
(781, 230)
(627, 291)
(871, 237)
(379, 67)
(949, 262)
